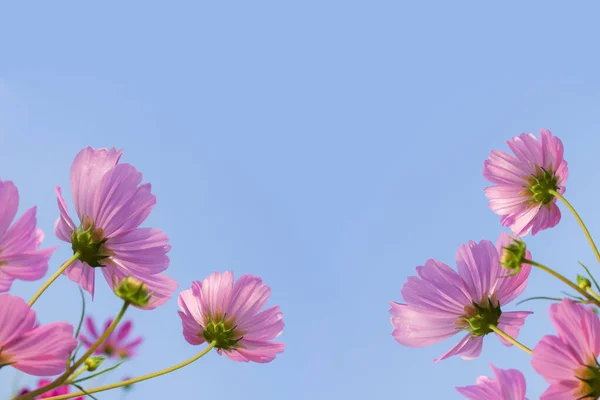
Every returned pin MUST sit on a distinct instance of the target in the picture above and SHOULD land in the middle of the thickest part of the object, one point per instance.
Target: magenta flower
(111, 204)
(522, 182)
(508, 385)
(19, 243)
(220, 310)
(35, 350)
(54, 392)
(441, 302)
(568, 361)
(117, 345)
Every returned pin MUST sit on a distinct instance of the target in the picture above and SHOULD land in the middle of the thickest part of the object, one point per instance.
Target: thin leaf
(82, 313)
(539, 298)
(571, 296)
(84, 391)
(590, 275)
(100, 373)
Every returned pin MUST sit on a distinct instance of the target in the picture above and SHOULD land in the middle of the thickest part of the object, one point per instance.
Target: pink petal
(9, 198)
(468, 348)
(216, 294)
(83, 275)
(504, 169)
(142, 250)
(266, 325)
(418, 329)
(16, 318)
(120, 204)
(440, 290)
(512, 383)
(44, 350)
(123, 331)
(91, 327)
(248, 296)
(88, 168)
(478, 265)
(561, 391)
(26, 266)
(256, 351)
(510, 323)
(64, 226)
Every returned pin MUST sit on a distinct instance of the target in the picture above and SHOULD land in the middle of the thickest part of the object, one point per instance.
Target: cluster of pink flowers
(111, 204)
(440, 302)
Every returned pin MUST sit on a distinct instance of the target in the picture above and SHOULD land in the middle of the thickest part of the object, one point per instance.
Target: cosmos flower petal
(418, 329)
(479, 266)
(88, 168)
(468, 348)
(83, 275)
(511, 323)
(509, 384)
(64, 226)
(9, 198)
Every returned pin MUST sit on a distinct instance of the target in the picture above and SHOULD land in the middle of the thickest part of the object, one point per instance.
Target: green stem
(76, 374)
(564, 280)
(138, 379)
(578, 218)
(506, 336)
(61, 380)
(53, 278)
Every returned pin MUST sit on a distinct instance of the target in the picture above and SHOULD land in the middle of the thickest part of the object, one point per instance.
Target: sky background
(326, 146)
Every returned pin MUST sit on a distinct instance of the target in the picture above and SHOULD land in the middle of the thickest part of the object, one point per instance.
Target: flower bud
(583, 282)
(92, 363)
(133, 291)
(513, 255)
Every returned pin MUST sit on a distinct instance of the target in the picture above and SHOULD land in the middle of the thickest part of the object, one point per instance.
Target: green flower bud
(513, 255)
(92, 363)
(133, 291)
(583, 282)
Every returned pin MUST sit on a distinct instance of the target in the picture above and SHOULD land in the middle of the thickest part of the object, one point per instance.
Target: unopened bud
(92, 363)
(133, 291)
(513, 256)
(583, 282)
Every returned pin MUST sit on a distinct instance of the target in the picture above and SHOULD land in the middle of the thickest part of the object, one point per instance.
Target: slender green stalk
(499, 332)
(580, 221)
(138, 379)
(53, 278)
(564, 280)
(61, 380)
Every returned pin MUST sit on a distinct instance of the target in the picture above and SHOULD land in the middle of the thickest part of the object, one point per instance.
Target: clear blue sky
(327, 146)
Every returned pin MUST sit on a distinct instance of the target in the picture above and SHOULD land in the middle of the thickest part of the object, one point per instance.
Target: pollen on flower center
(540, 186)
(223, 332)
(89, 243)
(589, 385)
(479, 317)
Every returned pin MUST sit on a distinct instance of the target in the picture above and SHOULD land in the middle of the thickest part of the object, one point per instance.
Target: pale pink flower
(111, 203)
(441, 302)
(30, 348)
(54, 392)
(117, 345)
(19, 243)
(220, 310)
(522, 181)
(508, 385)
(568, 361)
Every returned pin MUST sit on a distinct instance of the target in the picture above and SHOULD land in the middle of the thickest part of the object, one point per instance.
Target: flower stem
(61, 380)
(138, 379)
(578, 218)
(76, 374)
(563, 279)
(506, 336)
(53, 278)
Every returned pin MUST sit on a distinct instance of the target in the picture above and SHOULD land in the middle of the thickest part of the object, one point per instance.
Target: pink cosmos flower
(55, 392)
(220, 310)
(568, 361)
(111, 204)
(30, 348)
(522, 182)
(19, 243)
(508, 385)
(441, 302)
(117, 345)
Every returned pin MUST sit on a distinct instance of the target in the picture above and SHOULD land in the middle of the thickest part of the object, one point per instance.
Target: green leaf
(84, 391)
(590, 275)
(99, 373)
(539, 298)
(82, 313)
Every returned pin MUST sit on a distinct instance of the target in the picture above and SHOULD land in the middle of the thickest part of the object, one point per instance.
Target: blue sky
(329, 147)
